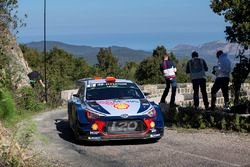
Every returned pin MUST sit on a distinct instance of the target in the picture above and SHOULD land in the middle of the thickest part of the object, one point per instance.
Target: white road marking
(203, 157)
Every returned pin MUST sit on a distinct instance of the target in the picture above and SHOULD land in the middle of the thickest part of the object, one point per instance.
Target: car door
(78, 102)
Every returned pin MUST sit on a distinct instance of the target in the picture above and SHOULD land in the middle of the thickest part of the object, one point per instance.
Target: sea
(140, 41)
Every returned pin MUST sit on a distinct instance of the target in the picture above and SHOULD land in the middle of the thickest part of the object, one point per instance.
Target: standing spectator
(168, 70)
(222, 73)
(197, 67)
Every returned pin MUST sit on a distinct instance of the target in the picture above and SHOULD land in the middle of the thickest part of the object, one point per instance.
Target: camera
(215, 68)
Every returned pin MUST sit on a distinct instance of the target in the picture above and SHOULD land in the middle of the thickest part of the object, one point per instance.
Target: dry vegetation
(12, 153)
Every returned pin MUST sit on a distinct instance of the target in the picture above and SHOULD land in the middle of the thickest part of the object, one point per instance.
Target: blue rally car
(113, 109)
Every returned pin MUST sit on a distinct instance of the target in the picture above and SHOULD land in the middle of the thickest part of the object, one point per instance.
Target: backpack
(196, 68)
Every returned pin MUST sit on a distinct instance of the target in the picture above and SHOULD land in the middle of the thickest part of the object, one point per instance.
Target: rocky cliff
(15, 63)
(208, 51)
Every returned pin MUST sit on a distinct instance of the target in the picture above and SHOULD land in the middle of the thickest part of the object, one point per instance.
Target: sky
(138, 24)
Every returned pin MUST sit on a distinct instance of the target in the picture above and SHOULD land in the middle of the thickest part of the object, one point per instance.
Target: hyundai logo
(124, 116)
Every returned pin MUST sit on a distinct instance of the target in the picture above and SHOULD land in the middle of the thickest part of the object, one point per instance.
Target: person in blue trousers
(168, 70)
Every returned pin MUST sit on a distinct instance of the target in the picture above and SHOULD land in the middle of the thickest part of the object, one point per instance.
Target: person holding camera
(222, 72)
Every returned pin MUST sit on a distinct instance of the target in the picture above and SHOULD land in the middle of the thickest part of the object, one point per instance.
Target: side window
(81, 92)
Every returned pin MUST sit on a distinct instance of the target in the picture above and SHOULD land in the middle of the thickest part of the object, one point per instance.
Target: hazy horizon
(146, 42)
(140, 24)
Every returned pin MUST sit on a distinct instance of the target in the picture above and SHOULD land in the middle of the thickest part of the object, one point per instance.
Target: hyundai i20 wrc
(113, 109)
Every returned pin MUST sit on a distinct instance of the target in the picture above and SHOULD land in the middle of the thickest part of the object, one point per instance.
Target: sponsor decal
(94, 138)
(145, 104)
(105, 102)
(121, 106)
(91, 85)
(155, 135)
(132, 101)
(108, 102)
(93, 132)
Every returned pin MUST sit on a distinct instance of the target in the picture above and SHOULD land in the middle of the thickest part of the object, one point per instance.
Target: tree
(128, 71)
(63, 70)
(148, 71)
(8, 14)
(159, 52)
(181, 75)
(33, 57)
(236, 13)
(107, 63)
(8, 19)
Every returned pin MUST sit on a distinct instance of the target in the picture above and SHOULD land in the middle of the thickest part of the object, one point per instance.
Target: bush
(7, 105)
(28, 99)
(190, 118)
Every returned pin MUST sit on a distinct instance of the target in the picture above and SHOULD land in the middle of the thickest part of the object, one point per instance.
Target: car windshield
(113, 91)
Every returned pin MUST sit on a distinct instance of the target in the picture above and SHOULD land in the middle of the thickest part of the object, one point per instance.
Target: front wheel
(154, 140)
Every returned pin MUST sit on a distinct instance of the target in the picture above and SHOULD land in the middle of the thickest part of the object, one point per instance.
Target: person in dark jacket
(35, 77)
(197, 67)
(168, 70)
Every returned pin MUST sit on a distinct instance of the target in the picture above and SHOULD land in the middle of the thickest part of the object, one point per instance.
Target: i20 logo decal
(121, 106)
(123, 126)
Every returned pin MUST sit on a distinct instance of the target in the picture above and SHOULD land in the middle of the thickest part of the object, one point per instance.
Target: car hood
(130, 107)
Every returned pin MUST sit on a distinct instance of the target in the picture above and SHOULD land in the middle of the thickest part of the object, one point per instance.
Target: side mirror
(146, 94)
(76, 95)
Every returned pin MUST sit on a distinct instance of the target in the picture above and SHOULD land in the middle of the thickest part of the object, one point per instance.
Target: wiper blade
(127, 98)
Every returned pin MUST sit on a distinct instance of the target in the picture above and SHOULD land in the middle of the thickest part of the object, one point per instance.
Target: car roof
(96, 81)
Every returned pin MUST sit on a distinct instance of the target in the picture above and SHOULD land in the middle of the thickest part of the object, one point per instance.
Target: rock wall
(17, 66)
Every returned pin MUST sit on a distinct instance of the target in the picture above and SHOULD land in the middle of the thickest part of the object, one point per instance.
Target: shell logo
(121, 106)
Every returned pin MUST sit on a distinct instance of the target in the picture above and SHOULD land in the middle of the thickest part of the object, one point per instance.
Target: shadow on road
(65, 132)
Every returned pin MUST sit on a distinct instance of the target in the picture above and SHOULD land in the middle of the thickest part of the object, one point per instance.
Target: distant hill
(124, 54)
(89, 53)
(208, 51)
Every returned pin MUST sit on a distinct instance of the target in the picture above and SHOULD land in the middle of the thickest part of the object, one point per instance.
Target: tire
(76, 131)
(155, 140)
(70, 120)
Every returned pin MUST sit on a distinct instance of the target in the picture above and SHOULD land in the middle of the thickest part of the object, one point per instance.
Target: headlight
(151, 113)
(92, 116)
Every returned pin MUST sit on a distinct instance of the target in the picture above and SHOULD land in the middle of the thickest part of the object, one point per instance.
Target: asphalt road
(185, 148)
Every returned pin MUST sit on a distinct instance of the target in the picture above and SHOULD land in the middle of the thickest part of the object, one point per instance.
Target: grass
(15, 141)
(7, 106)
(18, 106)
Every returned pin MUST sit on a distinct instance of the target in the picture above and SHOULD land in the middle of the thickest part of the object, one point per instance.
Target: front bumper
(155, 133)
(147, 128)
